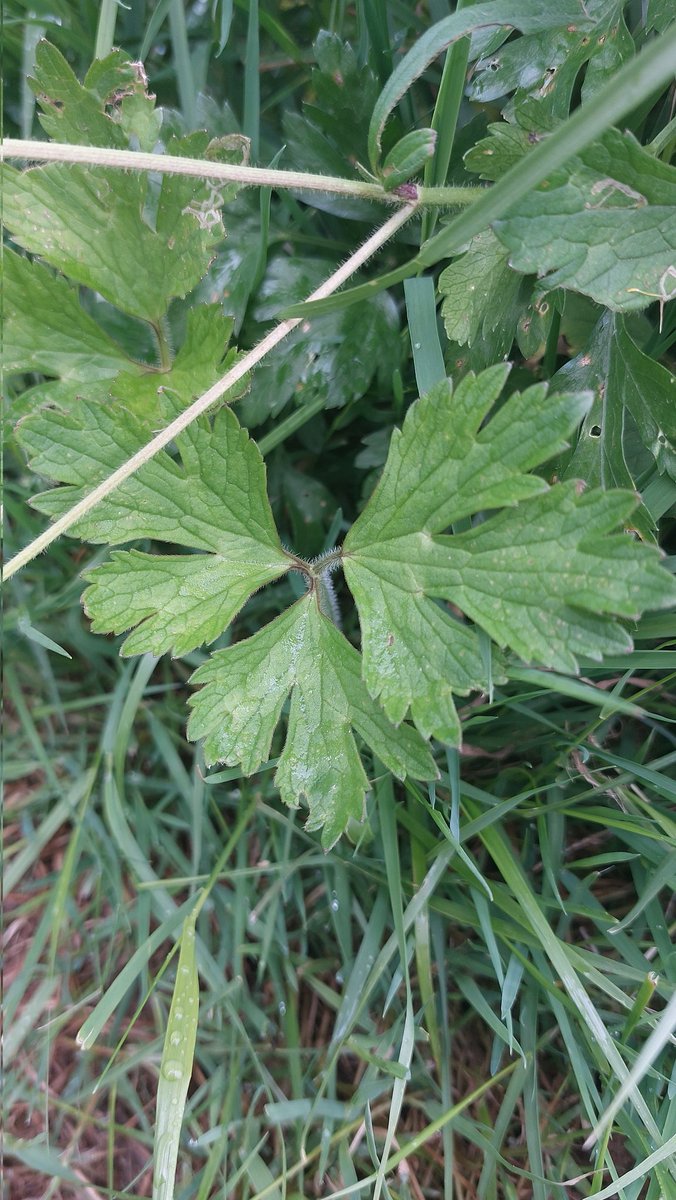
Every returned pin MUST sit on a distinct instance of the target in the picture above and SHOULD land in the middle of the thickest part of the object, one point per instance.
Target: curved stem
(205, 401)
(171, 164)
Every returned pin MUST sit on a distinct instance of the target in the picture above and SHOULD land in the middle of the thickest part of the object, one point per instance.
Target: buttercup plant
(505, 533)
(545, 575)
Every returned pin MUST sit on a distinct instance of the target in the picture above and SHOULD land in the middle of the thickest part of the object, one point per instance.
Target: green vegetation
(390, 914)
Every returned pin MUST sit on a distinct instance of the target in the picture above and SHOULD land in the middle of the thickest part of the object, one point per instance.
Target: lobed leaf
(545, 578)
(245, 686)
(46, 329)
(479, 290)
(97, 225)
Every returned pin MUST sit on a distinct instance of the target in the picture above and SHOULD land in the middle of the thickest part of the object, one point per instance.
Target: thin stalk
(163, 345)
(171, 164)
(204, 402)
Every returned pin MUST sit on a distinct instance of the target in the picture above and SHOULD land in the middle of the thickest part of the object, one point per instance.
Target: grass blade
(176, 1065)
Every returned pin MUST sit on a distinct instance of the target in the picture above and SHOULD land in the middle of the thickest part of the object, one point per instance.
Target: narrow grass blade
(176, 1065)
(658, 1039)
(388, 826)
(421, 311)
(640, 1171)
(105, 30)
(513, 876)
(252, 88)
(114, 995)
(183, 66)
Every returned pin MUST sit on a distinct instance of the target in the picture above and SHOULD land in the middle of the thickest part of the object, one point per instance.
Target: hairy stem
(163, 344)
(227, 381)
(172, 164)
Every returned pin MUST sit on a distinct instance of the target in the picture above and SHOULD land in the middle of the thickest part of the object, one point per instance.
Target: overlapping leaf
(301, 652)
(545, 579)
(92, 223)
(634, 407)
(335, 356)
(605, 225)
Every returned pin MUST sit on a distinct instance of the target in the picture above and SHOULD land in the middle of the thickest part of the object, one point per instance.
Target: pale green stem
(233, 376)
(172, 164)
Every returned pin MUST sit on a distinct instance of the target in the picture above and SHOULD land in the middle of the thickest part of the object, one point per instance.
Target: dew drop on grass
(172, 1070)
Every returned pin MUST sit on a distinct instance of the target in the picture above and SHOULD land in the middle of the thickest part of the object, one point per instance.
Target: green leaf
(331, 134)
(529, 16)
(335, 356)
(634, 399)
(536, 578)
(479, 290)
(546, 65)
(97, 225)
(212, 500)
(506, 144)
(46, 329)
(90, 223)
(87, 114)
(302, 653)
(605, 225)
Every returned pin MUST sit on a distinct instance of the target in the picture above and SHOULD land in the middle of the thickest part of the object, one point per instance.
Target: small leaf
(479, 290)
(408, 157)
(302, 653)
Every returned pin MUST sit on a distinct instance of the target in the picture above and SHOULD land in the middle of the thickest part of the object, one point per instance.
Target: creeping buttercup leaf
(46, 329)
(245, 686)
(97, 225)
(111, 107)
(545, 578)
(214, 500)
(603, 224)
(546, 65)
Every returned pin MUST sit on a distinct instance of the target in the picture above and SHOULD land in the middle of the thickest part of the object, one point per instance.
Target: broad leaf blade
(546, 577)
(605, 225)
(301, 653)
